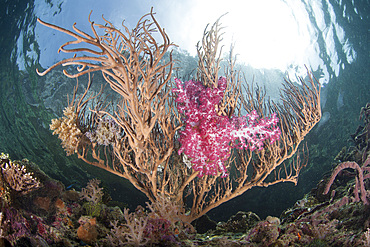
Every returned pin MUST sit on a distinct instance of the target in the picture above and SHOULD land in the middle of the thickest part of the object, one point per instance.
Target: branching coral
(131, 233)
(16, 176)
(138, 66)
(92, 193)
(165, 208)
(67, 130)
(160, 225)
(106, 132)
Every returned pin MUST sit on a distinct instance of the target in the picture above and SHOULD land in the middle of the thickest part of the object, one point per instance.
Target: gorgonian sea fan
(208, 137)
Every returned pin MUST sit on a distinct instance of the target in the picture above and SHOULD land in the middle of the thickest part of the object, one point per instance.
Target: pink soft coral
(209, 137)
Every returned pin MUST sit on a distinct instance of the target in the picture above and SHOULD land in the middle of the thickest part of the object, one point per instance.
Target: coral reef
(70, 218)
(137, 133)
(59, 218)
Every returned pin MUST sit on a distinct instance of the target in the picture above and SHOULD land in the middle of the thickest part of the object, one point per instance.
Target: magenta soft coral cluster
(208, 137)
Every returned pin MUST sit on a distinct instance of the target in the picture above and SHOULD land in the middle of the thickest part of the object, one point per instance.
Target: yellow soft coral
(67, 130)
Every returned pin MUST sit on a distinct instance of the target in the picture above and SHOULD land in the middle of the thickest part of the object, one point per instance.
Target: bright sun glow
(266, 33)
(266, 37)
